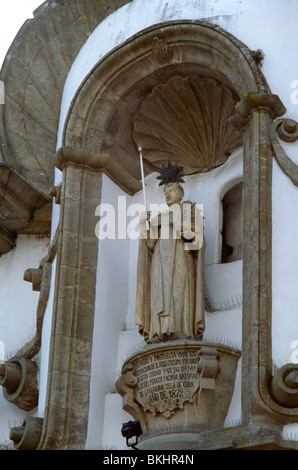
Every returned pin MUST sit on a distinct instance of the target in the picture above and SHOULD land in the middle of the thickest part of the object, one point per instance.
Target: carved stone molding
(162, 52)
(18, 378)
(284, 386)
(98, 162)
(252, 102)
(286, 130)
(27, 436)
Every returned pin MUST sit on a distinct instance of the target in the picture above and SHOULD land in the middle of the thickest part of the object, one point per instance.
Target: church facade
(196, 349)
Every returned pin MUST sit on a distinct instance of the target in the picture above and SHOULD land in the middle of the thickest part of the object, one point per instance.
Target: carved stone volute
(18, 377)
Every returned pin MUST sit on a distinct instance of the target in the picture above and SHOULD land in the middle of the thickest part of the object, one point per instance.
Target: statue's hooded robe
(170, 292)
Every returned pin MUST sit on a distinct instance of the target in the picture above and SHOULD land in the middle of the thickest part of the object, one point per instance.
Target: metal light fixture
(131, 429)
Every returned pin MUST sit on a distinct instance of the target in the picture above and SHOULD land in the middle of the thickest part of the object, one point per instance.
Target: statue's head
(174, 193)
(171, 177)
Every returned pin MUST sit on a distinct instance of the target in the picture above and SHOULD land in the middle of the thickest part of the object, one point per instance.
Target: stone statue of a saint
(170, 292)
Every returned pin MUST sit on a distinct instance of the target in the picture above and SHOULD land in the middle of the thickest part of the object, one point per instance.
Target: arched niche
(107, 119)
(171, 88)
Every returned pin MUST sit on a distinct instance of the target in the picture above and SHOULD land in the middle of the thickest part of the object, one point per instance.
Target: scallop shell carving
(186, 120)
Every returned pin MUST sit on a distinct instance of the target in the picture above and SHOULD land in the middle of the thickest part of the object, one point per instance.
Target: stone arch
(107, 113)
(120, 84)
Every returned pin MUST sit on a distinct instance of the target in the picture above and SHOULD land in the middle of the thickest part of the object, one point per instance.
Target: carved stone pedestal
(178, 388)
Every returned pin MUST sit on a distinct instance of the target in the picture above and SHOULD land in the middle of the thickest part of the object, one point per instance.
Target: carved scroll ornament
(18, 378)
(284, 386)
(286, 130)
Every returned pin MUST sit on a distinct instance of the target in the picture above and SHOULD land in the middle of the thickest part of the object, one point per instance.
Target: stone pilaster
(66, 415)
(254, 116)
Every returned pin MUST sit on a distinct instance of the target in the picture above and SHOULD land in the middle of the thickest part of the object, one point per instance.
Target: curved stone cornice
(105, 163)
(22, 209)
(34, 73)
(256, 101)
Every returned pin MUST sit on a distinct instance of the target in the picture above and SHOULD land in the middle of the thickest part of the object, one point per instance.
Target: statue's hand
(145, 215)
(143, 225)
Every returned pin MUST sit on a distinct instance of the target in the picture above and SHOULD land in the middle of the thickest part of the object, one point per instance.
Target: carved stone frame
(211, 47)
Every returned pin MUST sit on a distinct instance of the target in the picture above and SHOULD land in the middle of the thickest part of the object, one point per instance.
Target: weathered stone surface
(170, 285)
(66, 417)
(179, 385)
(27, 436)
(19, 382)
(22, 209)
(34, 74)
(284, 386)
(186, 120)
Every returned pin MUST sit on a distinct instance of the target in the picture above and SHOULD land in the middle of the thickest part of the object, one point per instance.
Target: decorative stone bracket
(55, 192)
(18, 378)
(286, 130)
(284, 386)
(34, 276)
(27, 436)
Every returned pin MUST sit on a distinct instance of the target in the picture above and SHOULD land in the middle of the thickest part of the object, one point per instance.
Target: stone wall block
(82, 361)
(80, 400)
(84, 321)
(88, 254)
(73, 177)
(70, 247)
(71, 216)
(60, 393)
(63, 325)
(87, 284)
(89, 219)
(78, 426)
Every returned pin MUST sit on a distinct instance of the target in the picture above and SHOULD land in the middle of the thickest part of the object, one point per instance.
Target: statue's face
(173, 194)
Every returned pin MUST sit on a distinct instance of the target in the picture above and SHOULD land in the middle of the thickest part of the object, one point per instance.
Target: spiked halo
(170, 174)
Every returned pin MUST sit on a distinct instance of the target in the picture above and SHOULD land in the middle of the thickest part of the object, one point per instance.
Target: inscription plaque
(166, 380)
(181, 384)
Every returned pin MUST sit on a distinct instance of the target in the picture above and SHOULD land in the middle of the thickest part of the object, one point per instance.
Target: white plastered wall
(18, 304)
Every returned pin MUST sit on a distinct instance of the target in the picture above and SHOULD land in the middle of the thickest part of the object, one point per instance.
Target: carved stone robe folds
(170, 293)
